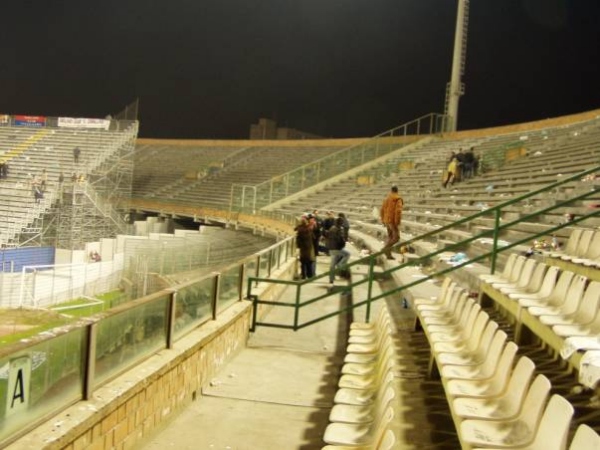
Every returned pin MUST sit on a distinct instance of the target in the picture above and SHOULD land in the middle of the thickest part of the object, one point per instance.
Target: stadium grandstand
(151, 296)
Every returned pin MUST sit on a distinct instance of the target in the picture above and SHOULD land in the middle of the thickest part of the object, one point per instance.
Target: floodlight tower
(455, 88)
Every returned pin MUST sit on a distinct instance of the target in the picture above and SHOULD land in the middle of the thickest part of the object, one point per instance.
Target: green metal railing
(370, 261)
(250, 198)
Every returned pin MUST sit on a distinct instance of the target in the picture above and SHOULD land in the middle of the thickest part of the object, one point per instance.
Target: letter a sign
(17, 391)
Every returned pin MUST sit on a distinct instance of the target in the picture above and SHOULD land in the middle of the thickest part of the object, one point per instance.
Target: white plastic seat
(505, 275)
(546, 288)
(367, 328)
(582, 246)
(571, 245)
(367, 381)
(567, 305)
(591, 328)
(469, 340)
(370, 336)
(585, 439)
(359, 434)
(483, 369)
(592, 254)
(418, 302)
(481, 386)
(444, 303)
(510, 433)
(368, 347)
(501, 407)
(361, 413)
(515, 274)
(446, 316)
(552, 432)
(533, 285)
(386, 442)
(453, 330)
(526, 271)
(351, 396)
(555, 297)
(585, 313)
(366, 368)
(471, 357)
(450, 333)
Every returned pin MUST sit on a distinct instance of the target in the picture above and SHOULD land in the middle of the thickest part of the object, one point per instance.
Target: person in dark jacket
(305, 244)
(336, 243)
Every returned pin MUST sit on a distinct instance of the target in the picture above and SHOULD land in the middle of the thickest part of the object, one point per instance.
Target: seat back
(474, 334)
(534, 402)
(517, 269)
(388, 441)
(518, 384)
(558, 294)
(493, 354)
(574, 295)
(585, 439)
(589, 304)
(573, 241)
(553, 429)
(486, 338)
(550, 280)
(502, 369)
(535, 282)
(593, 251)
(584, 243)
(508, 267)
(526, 273)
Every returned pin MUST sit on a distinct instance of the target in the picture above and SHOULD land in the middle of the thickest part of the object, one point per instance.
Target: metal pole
(458, 63)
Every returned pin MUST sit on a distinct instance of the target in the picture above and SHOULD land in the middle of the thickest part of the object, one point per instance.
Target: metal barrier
(494, 234)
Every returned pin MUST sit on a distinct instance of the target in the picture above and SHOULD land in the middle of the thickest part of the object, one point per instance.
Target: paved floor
(277, 393)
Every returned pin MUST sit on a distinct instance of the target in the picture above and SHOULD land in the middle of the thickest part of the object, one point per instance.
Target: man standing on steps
(391, 216)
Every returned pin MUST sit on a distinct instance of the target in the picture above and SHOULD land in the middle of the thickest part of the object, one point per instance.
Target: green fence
(300, 303)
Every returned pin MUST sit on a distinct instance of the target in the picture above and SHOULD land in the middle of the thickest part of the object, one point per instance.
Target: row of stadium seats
(364, 402)
(492, 404)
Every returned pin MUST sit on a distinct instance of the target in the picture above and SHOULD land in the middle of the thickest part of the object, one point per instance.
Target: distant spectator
(2, 166)
(95, 256)
(38, 195)
(74, 177)
(345, 226)
(460, 163)
(335, 244)
(43, 180)
(61, 179)
(468, 160)
(391, 217)
(76, 153)
(304, 242)
(451, 170)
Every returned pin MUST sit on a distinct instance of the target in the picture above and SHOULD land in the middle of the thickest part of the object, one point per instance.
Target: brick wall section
(129, 408)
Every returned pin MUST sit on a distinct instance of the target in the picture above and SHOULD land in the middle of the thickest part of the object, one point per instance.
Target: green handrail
(493, 253)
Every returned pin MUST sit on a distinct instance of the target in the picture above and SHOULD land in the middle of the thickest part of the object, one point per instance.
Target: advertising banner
(30, 121)
(79, 122)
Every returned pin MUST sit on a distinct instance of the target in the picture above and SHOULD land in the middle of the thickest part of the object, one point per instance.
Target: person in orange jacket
(391, 217)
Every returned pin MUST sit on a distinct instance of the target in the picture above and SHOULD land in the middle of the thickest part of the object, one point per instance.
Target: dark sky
(339, 68)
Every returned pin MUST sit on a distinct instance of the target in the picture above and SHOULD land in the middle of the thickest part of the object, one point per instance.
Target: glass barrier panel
(263, 270)
(275, 258)
(41, 379)
(229, 289)
(193, 306)
(127, 337)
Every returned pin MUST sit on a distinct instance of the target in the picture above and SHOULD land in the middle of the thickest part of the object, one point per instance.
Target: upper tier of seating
(27, 152)
(203, 174)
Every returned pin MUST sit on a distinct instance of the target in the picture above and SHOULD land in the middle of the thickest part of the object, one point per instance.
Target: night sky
(340, 68)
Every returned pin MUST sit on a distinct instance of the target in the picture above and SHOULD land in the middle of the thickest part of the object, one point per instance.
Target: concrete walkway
(277, 393)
